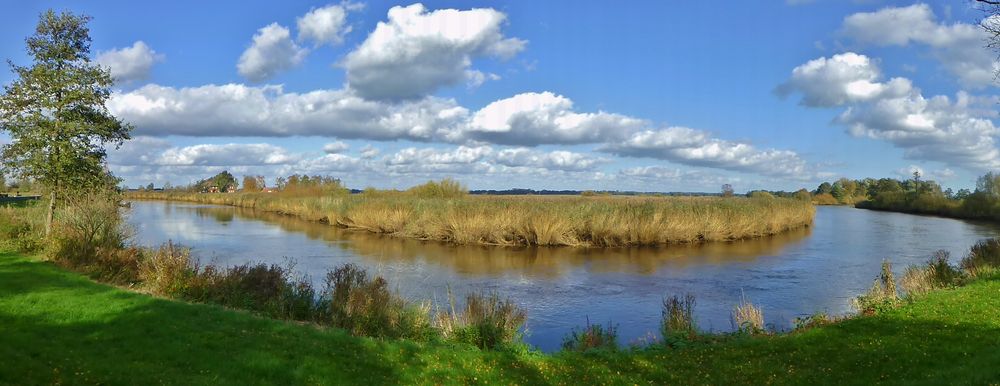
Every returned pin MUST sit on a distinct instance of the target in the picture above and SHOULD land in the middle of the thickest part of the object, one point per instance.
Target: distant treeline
(888, 192)
(914, 195)
(926, 197)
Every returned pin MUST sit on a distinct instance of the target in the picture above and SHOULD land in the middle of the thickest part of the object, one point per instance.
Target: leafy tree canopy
(55, 111)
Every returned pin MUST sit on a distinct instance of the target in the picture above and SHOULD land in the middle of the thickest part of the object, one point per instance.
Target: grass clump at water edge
(486, 321)
(592, 337)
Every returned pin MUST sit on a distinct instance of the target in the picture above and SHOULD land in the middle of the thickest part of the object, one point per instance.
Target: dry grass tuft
(748, 318)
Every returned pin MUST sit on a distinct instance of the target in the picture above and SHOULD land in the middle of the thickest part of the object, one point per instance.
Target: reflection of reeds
(530, 220)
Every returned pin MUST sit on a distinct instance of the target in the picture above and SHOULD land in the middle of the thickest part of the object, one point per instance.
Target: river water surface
(794, 274)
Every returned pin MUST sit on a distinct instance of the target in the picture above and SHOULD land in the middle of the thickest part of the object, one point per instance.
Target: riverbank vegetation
(59, 327)
(92, 238)
(443, 211)
(481, 338)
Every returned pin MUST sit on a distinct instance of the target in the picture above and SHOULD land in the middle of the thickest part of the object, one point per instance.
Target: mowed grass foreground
(532, 220)
(60, 327)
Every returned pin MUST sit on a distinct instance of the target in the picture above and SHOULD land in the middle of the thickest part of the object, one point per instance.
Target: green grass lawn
(60, 327)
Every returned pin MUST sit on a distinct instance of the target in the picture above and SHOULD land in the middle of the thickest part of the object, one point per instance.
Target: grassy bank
(531, 220)
(60, 327)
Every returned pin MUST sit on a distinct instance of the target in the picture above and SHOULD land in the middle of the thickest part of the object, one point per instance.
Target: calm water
(795, 274)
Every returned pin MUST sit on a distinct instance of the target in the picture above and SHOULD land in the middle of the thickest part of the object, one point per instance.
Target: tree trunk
(52, 209)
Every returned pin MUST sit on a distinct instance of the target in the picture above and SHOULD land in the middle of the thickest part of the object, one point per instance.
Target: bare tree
(991, 24)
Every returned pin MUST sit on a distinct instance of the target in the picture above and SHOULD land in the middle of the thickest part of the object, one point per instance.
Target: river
(819, 268)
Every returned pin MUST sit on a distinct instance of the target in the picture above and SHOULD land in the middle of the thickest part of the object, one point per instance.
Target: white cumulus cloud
(959, 46)
(840, 79)
(545, 118)
(240, 110)
(335, 147)
(417, 51)
(369, 152)
(553, 160)
(271, 52)
(326, 25)
(939, 128)
(130, 64)
(153, 151)
(485, 159)
(698, 148)
(958, 132)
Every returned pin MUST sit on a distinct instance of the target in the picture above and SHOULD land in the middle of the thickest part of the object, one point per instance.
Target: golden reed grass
(613, 221)
(747, 317)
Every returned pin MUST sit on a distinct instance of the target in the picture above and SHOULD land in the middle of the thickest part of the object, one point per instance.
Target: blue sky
(655, 96)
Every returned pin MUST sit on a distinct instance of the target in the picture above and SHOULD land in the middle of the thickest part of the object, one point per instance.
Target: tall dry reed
(747, 317)
(531, 220)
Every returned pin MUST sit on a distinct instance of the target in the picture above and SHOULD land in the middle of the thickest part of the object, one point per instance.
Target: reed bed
(531, 220)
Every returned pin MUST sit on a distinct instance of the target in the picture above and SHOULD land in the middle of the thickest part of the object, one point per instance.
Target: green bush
(168, 271)
(271, 290)
(983, 255)
(487, 321)
(89, 229)
(943, 274)
(592, 337)
(677, 320)
(22, 228)
(366, 307)
(119, 266)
